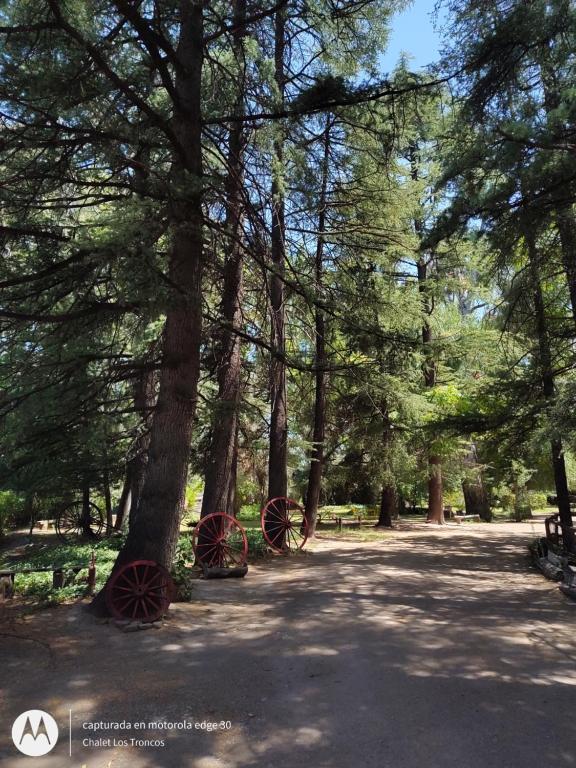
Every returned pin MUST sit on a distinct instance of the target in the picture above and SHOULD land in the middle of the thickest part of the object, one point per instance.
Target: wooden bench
(461, 518)
(8, 576)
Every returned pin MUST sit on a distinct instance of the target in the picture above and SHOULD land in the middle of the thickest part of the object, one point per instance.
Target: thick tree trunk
(548, 388)
(388, 506)
(218, 490)
(154, 526)
(278, 449)
(435, 497)
(475, 497)
(318, 433)
(389, 498)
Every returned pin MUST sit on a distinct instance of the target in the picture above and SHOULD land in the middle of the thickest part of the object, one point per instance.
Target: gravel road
(429, 648)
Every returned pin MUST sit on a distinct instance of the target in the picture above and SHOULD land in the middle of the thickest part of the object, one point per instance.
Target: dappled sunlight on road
(431, 646)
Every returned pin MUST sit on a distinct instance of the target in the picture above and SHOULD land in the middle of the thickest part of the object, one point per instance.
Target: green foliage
(193, 490)
(257, 546)
(11, 511)
(38, 586)
(181, 568)
(249, 512)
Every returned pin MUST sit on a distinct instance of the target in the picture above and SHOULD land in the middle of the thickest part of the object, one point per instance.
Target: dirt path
(423, 649)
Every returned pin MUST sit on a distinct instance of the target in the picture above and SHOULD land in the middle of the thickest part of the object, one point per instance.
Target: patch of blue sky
(414, 32)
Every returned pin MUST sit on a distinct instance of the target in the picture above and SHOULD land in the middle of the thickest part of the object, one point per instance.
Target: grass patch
(38, 586)
(249, 512)
(355, 534)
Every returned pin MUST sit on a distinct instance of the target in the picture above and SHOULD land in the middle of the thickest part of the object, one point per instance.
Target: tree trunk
(233, 506)
(154, 526)
(220, 467)
(86, 507)
(30, 512)
(125, 500)
(435, 500)
(388, 506)
(475, 497)
(318, 433)
(108, 500)
(548, 388)
(278, 449)
(435, 497)
(144, 389)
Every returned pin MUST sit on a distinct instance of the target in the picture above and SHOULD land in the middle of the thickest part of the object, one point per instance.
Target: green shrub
(63, 556)
(180, 571)
(537, 499)
(257, 546)
(249, 512)
(193, 491)
(11, 510)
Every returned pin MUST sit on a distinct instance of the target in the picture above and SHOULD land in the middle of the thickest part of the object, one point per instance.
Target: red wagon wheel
(284, 524)
(140, 590)
(220, 541)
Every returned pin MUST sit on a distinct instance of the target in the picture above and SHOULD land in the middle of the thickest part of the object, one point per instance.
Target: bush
(538, 499)
(257, 546)
(11, 511)
(193, 491)
(249, 512)
(180, 571)
(64, 556)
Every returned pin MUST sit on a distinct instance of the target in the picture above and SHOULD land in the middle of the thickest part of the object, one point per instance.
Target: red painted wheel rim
(219, 541)
(284, 524)
(140, 591)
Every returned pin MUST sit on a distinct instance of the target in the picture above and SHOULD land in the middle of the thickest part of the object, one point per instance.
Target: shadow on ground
(436, 648)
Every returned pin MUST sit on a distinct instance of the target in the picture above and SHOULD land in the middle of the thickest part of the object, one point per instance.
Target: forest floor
(434, 647)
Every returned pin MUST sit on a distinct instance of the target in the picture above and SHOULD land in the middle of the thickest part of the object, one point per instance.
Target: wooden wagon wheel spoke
(284, 524)
(220, 540)
(151, 581)
(140, 590)
(75, 521)
(274, 514)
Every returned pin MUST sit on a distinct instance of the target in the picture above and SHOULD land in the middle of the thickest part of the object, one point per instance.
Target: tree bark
(388, 506)
(220, 476)
(86, 507)
(548, 388)
(233, 501)
(154, 526)
(435, 496)
(108, 500)
(278, 449)
(435, 500)
(321, 377)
